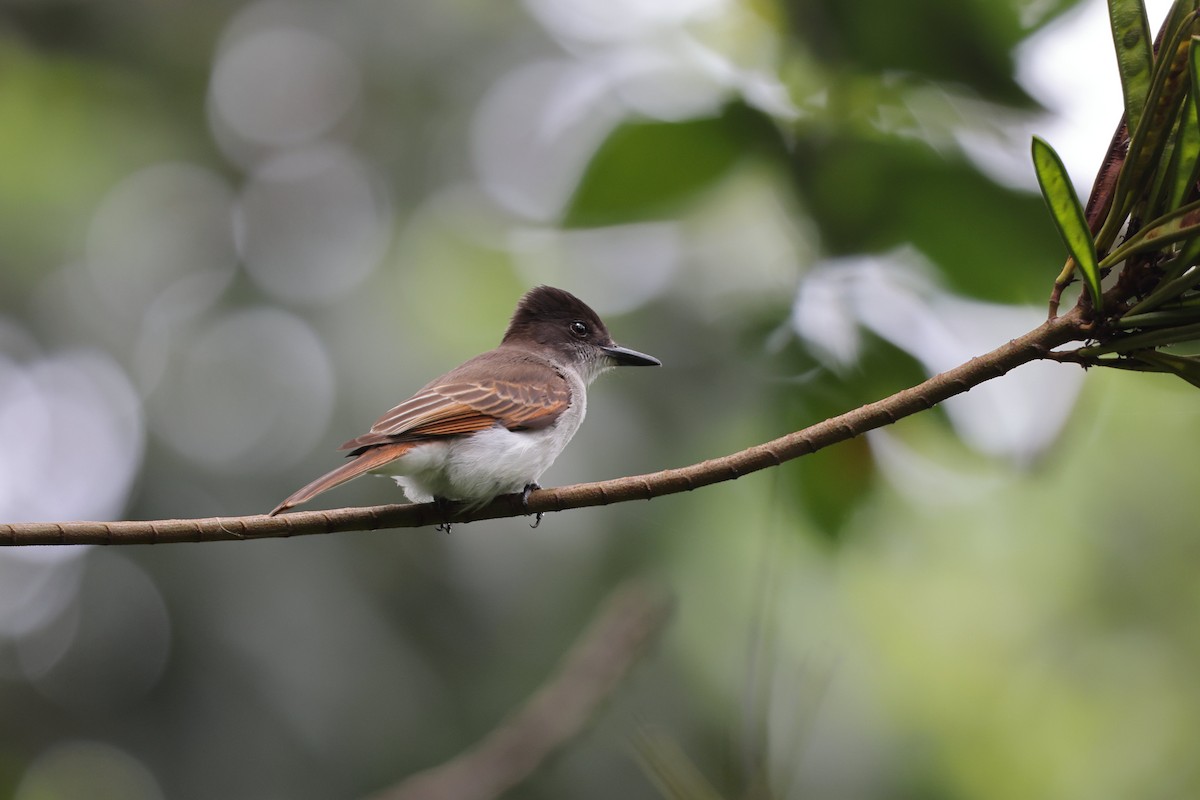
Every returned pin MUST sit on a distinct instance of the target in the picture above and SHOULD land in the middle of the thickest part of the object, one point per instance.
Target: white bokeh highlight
(536, 130)
(312, 224)
(71, 437)
(283, 86)
(109, 647)
(617, 269)
(249, 392)
(1015, 417)
(161, 225)
(540, 124)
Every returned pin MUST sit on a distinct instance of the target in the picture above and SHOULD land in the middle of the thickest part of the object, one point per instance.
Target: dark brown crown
(545, 309)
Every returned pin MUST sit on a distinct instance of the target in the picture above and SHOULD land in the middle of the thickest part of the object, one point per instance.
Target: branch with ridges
(1037, 344)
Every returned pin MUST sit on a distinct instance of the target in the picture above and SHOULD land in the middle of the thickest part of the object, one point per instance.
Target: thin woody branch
(629, 621)
(1037, 344)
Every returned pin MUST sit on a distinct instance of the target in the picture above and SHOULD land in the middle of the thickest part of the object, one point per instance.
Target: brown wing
(485, 392)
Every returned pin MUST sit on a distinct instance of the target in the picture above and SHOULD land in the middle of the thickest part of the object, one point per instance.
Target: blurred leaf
(873, 195)
(669, 768)
(70, 130)
(1067, 213)
(829, 486)
(1135, 56)
(967, 42)
(646, 169)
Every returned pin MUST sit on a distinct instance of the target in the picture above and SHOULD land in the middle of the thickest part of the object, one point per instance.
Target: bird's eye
(579, 329)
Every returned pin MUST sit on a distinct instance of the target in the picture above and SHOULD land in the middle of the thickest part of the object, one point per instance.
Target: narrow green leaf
(1165, 168)
(1179, 162)
(1135, 54)
(1188, 145)
(1183, 366)
(1145, 341)
(1182, 315)
(1128, 363)
(1185, 160)
(1176, 279)
(1155, 124)
(1175, 19)
(1067, 213)
(1182, 223)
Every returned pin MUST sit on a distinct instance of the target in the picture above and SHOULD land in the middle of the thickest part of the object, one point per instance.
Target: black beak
(630, 358)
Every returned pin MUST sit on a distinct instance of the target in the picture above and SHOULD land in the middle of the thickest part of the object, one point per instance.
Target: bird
(494, 424)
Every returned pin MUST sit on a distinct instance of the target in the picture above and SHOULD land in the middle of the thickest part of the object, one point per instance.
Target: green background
(909, 618)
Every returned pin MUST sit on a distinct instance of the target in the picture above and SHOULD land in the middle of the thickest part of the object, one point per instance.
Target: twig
(1037, 344)
(633, 616)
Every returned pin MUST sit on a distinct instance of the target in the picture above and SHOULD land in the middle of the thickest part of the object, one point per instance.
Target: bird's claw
(443, 506)
(529, 489)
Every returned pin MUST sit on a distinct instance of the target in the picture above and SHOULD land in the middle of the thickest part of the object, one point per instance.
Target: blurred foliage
(974, 40)
(233, 234)
(72, 128)
(874, 194)
(829, 486)
(646, 169)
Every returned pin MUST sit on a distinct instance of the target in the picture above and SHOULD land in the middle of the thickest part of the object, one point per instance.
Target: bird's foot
(443, 507)
(529, 489)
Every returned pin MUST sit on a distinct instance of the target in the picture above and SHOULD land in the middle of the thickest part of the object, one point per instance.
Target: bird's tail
(369, 459)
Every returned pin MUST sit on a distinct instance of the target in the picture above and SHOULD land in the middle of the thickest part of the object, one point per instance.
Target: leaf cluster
(1136, 244)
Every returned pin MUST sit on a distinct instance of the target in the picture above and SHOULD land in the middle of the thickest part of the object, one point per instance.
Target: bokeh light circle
(312, 224)
(249, 392)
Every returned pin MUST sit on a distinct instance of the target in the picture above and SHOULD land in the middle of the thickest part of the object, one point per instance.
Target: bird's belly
(478, 467)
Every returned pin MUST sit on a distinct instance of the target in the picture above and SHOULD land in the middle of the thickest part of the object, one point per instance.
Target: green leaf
(1068, 214)
(1154, 202)
(1147, 340)
(1182, 223)
(868, 193)
(1178, 165)
(1174, 316)
(1175, 281)
(1149, 138)
(1187, 147)
(1185, 160)
(1135, 54)
(1176, 18)
(647, 168)
(975, 39)
(1185, 367)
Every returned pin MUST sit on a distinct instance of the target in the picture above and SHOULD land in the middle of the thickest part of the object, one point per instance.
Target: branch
(1037, 344)
(632, 618)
